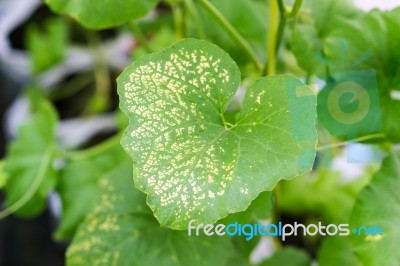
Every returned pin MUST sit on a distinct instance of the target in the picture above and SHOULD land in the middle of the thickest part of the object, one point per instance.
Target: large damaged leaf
(191, 162)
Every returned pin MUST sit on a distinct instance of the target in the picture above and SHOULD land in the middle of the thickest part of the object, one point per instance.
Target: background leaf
(337, 250)
(378, 205)
(29, 163)
(288, 256)
(105, 14)
(122, 231)
(322, 194)
(79, 186)
(259, 210)
(47, 48)
(313, 26)
(367, 42)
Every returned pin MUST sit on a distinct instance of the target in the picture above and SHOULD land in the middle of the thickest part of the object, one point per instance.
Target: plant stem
(137, 32)
(276, 212)
(275, 38)
(33, 187)
(296, 8)
(363, 138)
(100, 148)
(191, 7)
(282, 24)
(71, 87)
(103, 83)
(308, 79)
(213, 11)
(272, 38)
(179, 21)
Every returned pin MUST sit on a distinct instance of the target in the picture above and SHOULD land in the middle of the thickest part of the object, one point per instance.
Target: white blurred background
(381, 4)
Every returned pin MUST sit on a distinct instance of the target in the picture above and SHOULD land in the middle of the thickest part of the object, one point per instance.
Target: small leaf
(288, 256)
(367, 43)
(191, 162)
(323, 194)
(162, 38)
(122, 231)
(378, 205)
(336, 250)
(307, 47)
(314, 25)
(259, 209)
(390, 118)
(102, 14)
(53, 41)
(29, 163)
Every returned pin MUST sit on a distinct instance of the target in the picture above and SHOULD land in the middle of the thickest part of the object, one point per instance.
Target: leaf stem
(179, 20)
(213, 11)
(100, 100)
(137, 32)
(282, 24)
(226, 124)
(296, 8)
(191, 7)
(360, 139)
(272, 37)
(71, 87)
(276, 212)
(275, 37)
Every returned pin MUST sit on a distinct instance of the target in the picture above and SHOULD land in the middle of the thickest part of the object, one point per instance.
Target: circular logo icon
(359, 93)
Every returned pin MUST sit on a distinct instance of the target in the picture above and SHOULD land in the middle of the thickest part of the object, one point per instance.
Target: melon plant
(229, 114)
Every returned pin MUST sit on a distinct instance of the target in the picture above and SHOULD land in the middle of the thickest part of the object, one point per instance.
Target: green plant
(201, 151)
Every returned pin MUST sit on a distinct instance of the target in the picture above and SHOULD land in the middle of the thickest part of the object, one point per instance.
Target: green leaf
(335, 251)
(367, 43)
(314, 25)
(47, 48)
(390, 118)
(102, 14)
(288, 256)
(361, 43)
(259, 209)
(322, 194)
(378, 205)
(191, 162)
(79, 185)
(123, 231)
(29, 164)
(321, 13)
(163, 37)
(307, 48)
